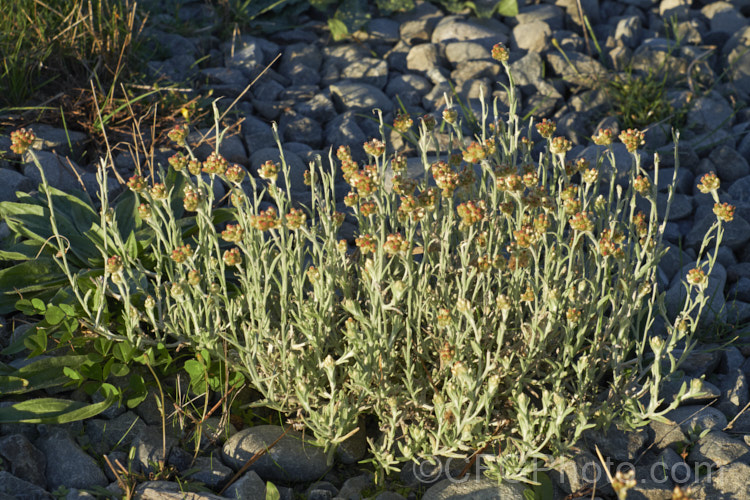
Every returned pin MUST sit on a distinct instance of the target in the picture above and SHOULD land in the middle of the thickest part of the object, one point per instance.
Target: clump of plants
(485, 303)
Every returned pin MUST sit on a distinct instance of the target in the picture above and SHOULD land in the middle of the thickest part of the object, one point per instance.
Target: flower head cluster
(512, 183)
(445, 178)
(137, 183)
(144, 211)
(265, 220)
(709, 183)
(546, 128)
(474, 153)
(182, 253)
(402, 123)
(560, 145)
(269, 171)
(366, 244)
(179, 134)
(215, 164)
(159, 191)
(395, 243)
(632, 139)
(399, 164)
(374, 147)
(642, 185)
(295, 219)
(233, 233)
(368, 208)
(21, 140)
(429, 122)
(603, 137)
(178, 161)
(450, 115)
(404, 185)
(724, 211)
(471, 212)
(608, 244)
(194, 167)
(500, 53)
(581, 222)
(235, 174)
(364, 181)
(114, 264)
(192, 198)
(232, 257)
(697, 277)
(194, 277)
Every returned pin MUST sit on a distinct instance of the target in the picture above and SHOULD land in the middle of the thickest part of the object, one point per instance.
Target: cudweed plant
(485, 304)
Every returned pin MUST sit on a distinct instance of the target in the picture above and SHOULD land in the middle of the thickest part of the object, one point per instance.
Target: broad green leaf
(54, 315)
(23, 250)
(119, 370)
(272, 492)
(39, 305)
(338, 29)
(54, 411)
(10, 384)
(44, 373)
(30, 276)
(507, 8)
(137, 391)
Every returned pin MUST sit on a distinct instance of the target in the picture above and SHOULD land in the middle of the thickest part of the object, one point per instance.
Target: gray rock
(628, 31)
(578, 69)
(576, 472)
(533, 36)
(64, 142)
(290, 459)
(149, 449)
(203, 143)
(702, 417)
(67, 464)
(617, 444)
(176, 69)
(710, 112)
(61, 173)
(211, 472)
(729, 164)
(353, 449)
(549, 14)
(408, 88)
(352, 487)
(167, 490)
(296, 167)
(676, 294)
(344, 130)
(14, 182)
(736, 232)
(723, 17)
(475, 489)
(367, 70)
(731, 358)
(473, 70)
(671, 387)
(674, 8)
(13, 488)
(734, 393)
(728, 482)
(257, 133)
(104, 435)
(456, 52)
(359, 97)
(486, 32)
(717, 449)
(423, 57)
(299, 128)
(320, 108)
(24, 460)
(249, 485)
(382, 30)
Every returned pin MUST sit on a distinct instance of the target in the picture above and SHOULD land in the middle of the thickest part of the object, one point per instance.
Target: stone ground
(317, 93)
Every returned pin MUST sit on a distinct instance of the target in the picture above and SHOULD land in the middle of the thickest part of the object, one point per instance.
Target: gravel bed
(321, 93)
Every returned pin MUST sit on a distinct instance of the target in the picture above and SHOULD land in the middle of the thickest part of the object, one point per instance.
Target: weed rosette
(488, 301)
